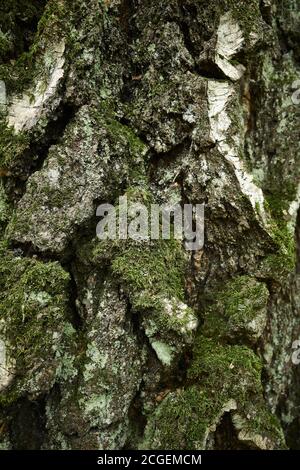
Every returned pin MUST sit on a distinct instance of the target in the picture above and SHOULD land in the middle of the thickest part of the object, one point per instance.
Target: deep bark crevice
(27, 425)
(226, 437)
(34, 157)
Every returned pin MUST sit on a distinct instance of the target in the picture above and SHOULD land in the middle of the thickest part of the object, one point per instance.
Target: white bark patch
(219, 94)
(24, 112)
(230, 40)
(231, 71)
(293, 210)
(6, 367)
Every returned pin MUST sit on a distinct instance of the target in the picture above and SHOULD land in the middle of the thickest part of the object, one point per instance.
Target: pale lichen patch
(164, 352)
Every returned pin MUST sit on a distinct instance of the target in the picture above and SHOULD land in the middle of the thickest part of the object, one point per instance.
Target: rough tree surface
(145, 345)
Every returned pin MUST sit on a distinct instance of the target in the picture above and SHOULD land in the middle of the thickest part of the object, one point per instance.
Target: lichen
(108, 157)
(35, 321)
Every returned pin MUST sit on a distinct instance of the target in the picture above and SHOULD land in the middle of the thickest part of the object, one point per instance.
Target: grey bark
(144, 345)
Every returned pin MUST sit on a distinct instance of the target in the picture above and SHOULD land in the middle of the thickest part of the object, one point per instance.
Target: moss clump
(19, 74)
(183, 420)
(151, 271)
(53, 18)
(283, 262)
(258, 426)
(120, 131)
(224, 379)
(152, 275)
(35, 323)
(278, 201)
(239, 313)
(229, 370)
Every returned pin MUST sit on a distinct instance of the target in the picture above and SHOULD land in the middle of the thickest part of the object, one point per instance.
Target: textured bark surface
(123, 344)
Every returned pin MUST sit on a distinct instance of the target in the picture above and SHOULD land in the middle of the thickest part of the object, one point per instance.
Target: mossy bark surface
(129, 344)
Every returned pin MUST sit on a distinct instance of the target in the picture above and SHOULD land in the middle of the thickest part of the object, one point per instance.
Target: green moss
(187, 418)
(224, 379)
(19, 74)
(278, 201)
(238, 306)
(256, 422)
(151, 271)
(121, 131)
(182, 420)
(152, 274)
(8, 398)
(52, 19)
(34, 311)
(283, 262)
(221, 378)
(282, 176)
(121, 134)
(229, 370)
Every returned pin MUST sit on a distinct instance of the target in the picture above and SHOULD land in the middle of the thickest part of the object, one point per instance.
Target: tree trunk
(128, 344)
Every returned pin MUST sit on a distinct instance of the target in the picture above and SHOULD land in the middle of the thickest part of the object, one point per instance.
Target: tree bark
(123, 344)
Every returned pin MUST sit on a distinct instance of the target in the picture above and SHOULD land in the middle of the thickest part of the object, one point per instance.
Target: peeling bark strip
(127, 344)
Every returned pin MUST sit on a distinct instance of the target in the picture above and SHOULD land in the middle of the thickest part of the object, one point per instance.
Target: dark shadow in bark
(226, 437)
(34, 157)
(266, 12)
(27, 426)
(20, 19)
